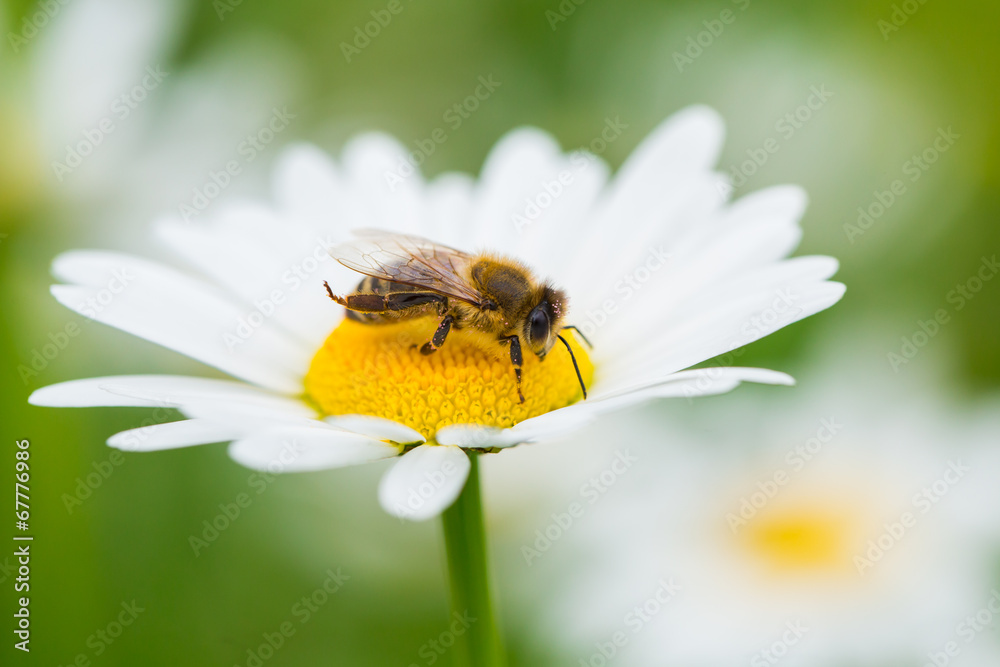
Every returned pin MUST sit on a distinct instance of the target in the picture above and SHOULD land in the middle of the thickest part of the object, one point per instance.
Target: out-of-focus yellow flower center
(378, 370)
(804, 538)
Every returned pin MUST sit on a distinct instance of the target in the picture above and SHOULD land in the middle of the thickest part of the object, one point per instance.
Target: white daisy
(834, 529)
(662, 273)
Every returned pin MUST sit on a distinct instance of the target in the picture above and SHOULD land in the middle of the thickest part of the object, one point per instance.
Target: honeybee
(409, 277)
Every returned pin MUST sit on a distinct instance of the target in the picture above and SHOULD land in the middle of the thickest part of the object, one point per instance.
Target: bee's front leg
(437, 340)
(516, 359)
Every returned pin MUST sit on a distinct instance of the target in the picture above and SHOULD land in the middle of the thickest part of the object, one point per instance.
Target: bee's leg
(437, 340)
(380, 303)
(516, 359)
(580, 334)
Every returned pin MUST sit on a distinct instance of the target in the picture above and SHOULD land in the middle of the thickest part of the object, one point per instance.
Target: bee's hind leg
(437, 340)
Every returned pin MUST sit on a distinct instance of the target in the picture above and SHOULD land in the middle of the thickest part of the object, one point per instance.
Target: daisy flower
(662, 273)
(833, 529)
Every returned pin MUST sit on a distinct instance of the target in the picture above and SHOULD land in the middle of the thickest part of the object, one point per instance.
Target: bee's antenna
(580, 334)
(575, 366)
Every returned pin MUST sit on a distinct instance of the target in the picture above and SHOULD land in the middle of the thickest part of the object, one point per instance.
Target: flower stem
(465, 540)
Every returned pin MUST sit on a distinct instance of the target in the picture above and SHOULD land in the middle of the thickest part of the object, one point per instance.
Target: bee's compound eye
(539, 325)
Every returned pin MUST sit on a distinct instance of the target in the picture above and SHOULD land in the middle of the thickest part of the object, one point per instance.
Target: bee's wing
(410, 260)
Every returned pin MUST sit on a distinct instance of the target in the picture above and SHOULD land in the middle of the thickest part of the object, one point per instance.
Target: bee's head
(544, 321)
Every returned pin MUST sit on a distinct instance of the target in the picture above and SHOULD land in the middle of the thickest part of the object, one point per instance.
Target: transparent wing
(410, 260)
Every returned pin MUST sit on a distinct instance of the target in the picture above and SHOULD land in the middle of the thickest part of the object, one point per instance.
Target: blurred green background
(562, 66)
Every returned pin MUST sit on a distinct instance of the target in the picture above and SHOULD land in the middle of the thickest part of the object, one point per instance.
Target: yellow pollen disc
(378, 370)
(806, 538)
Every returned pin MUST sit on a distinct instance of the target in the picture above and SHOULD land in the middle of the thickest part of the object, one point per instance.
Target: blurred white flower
(105, 122)
(849, 525)
(258, 310)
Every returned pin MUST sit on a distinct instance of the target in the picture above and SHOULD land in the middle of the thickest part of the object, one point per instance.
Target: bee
(407, 277)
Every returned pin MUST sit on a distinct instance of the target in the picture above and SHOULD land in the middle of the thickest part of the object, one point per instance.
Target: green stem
(468, 570)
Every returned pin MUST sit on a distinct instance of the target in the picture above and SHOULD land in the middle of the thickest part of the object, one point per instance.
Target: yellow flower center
(803, 538)
(378, 370)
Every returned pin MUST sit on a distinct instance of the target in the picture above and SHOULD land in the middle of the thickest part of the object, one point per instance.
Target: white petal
(308, 185)
(424, 482)
(375, 427)
(172, 435)
(304, 449)
(172, 391)
(388, 195)
(181, 313)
